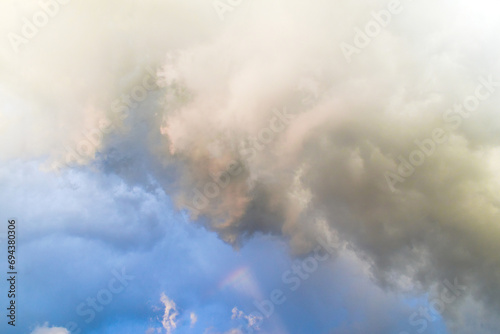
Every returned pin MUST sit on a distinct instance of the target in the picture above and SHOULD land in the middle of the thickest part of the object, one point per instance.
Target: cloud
(267, 128)
(194, 318)
(169, 322)
(251, 320)
(204, 282)
(88, 76)
(45, 329)
(233, 331)
(323, 170)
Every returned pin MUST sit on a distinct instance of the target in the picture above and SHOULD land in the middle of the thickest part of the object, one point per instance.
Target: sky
(248, 166)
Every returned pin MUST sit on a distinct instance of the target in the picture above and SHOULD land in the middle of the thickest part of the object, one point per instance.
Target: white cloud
(45, 329)
(194, 318)
(252, 320)
(169, 318)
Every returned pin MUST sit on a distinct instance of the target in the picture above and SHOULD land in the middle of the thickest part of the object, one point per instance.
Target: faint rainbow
(236, 276)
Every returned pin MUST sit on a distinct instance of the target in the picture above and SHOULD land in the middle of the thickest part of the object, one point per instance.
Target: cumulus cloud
(305, 169)
(267, 127)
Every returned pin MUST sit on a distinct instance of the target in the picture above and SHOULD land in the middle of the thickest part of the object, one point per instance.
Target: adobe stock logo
(453, 119)
(92, 305)
(292, 278)
(363, 37)
(222, 7)
(450, 293)
(39, 19)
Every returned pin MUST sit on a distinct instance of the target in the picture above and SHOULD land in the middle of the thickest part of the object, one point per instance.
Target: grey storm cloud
(394, 150)
(294, 118)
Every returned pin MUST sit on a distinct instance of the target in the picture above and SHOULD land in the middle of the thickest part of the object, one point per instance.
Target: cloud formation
(169, 322)
(326, 170)
(263, 125)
